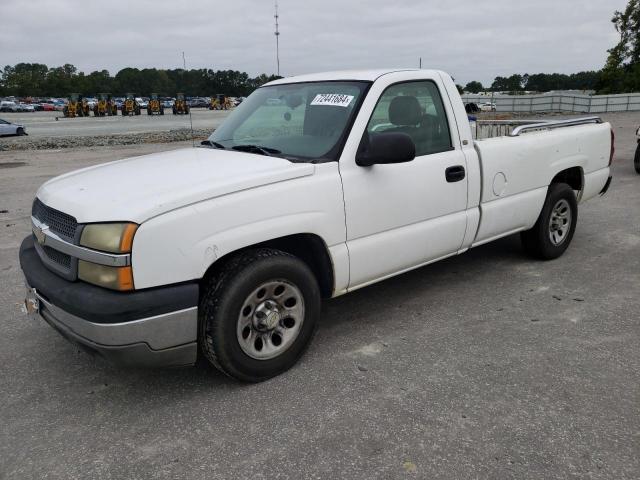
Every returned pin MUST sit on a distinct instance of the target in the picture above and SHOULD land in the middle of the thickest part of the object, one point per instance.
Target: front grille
(60, 258)
(59, 223)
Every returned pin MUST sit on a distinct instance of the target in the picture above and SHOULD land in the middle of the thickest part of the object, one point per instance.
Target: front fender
(181, 245)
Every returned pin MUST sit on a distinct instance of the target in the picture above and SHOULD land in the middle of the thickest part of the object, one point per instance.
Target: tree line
(621, 73)
(38, 80)
(539, 82)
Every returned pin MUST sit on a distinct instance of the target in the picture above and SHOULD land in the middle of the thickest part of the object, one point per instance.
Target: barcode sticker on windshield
(335, 99)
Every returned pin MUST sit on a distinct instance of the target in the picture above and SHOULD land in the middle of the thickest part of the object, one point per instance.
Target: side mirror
(384, 148)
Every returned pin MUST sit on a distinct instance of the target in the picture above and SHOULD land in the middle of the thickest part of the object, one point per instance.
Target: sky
(470, 39)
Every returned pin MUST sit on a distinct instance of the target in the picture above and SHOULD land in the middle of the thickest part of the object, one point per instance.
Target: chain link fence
(559, 103)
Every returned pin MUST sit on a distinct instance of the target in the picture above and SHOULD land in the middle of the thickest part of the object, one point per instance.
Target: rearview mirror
(294, 101)
(384, 148)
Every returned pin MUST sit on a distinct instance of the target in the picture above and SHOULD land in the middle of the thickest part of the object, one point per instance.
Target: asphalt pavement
(489, 365)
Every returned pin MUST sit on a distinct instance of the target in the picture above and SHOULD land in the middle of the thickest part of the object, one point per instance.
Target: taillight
(613, 146)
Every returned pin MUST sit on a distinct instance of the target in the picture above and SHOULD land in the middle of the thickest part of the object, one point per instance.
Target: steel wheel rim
(560, 222)
(270, 319)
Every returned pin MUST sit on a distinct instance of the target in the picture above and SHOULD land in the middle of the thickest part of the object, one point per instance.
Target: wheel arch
(308, 247)
(573, 176)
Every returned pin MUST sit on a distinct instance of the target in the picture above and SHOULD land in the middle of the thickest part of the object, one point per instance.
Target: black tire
(224, 295)
(538, 241)
(20, 131)
(636, 160)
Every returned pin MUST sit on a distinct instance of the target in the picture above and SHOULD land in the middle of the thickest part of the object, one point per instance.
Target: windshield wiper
(210, 143)
(256, 149)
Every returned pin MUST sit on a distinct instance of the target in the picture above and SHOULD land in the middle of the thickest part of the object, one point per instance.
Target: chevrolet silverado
(313, 187)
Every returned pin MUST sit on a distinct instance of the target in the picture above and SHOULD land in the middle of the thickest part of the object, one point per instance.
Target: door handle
(454, 174)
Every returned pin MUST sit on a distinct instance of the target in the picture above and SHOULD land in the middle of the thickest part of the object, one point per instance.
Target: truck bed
(518, 167)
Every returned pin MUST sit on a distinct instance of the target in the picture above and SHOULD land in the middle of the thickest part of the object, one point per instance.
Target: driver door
(400, 216)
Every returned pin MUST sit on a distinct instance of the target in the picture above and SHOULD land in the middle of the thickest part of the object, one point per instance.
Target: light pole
(277, 33)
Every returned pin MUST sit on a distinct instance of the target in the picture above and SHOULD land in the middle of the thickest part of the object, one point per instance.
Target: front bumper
(155, 327)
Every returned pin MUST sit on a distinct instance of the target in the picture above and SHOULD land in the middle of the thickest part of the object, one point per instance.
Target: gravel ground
(45, 132)
(54, 143)
(485, 366)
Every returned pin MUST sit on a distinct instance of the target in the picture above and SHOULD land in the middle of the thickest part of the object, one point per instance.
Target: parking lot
(486, 365)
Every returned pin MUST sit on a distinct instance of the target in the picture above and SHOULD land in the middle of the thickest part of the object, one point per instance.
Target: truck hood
(139, 188)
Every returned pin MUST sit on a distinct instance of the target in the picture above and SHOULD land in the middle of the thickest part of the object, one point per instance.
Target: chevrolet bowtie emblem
(39, 232)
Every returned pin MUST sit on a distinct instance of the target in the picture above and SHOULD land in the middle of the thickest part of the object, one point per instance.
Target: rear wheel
(554, 229)
(636, 160)
(258, 314)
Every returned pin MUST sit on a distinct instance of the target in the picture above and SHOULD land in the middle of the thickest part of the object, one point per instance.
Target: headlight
(115, 278)
(109, 237)
(112, 238)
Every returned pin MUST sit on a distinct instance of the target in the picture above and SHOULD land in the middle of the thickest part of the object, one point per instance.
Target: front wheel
(20, 131)
(258, 314)
(636, 160)
(554, 229)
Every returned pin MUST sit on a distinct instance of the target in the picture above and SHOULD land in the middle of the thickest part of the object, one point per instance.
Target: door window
(414, 108)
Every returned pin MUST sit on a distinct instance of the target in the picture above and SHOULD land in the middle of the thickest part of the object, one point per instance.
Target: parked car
(471, 107)
(199, 102)
(636, 159)
(229, 247)
(47, 107)
(26, 107)
(143, 103)
(488, 107)
(8, 128)
(9, 106)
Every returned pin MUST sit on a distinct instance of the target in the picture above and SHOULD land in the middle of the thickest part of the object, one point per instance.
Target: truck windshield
(297, 121)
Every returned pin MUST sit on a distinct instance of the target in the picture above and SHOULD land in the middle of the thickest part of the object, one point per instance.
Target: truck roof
(367, 75)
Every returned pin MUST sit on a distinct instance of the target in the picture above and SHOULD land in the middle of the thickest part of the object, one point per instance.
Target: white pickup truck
(313, 187)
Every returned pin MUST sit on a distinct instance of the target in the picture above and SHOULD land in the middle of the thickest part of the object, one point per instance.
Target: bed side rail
(554, 124)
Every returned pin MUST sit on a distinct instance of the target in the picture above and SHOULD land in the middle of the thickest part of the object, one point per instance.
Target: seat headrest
(404, 111)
